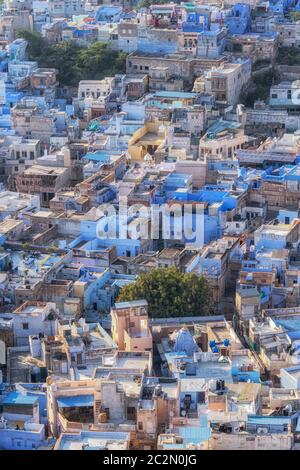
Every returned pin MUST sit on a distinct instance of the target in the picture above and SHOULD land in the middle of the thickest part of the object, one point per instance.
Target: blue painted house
(28, 433)
(216, 201)
(108, 14)
(238, 21)
(196, 22)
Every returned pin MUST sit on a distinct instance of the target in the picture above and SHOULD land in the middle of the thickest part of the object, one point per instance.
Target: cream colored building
(226, 82)
(247, 441)
(221, 141)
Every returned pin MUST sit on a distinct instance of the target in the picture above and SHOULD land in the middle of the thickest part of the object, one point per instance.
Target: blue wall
(238, 21)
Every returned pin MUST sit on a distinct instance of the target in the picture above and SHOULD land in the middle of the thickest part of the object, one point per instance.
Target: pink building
(130, 328)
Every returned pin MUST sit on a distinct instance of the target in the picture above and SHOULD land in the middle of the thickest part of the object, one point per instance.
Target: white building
(290, 377)
(33, 318)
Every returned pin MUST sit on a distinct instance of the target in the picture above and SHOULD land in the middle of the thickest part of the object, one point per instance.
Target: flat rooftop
(279, 229)
(243, 392)
(40, 170)
(131, 303)
(9, 224)
(192, 384)
(294, 371)
(132, 362)
(17, 398)
(94, 441)
(175, 94)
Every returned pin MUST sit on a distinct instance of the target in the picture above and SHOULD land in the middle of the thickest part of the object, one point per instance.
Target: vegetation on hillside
(288, 56)
(261, 82)
(170, 293)
(260, 89)
(294, 15)
(75, 62)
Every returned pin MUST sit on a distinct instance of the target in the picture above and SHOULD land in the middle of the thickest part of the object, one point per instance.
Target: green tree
(262, 83)
(36, 43)
(295, 15)
(98, 59)
(75, 62)
(288, 56)
(170, 293)
(64, 57)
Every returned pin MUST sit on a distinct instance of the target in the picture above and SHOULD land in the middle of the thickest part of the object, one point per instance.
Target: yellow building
(145, 140)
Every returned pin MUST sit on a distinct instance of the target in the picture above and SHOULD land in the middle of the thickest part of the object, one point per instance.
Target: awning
(78, 400)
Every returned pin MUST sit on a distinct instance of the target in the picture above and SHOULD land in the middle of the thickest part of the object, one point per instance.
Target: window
(140, 426)
(25, 326)
(131, 412)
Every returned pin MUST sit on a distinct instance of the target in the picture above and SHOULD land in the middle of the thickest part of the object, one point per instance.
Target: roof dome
(148, 158)
(185, 342)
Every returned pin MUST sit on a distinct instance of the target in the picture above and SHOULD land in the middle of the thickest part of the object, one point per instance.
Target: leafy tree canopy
(36, 43)
(170, 293)
(75, 62)
(262, 83)
(288, 56)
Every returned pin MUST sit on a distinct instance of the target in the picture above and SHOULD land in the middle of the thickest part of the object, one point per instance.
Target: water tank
(35, 346)
(102, 418)
(62, 244)
(64, 367)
